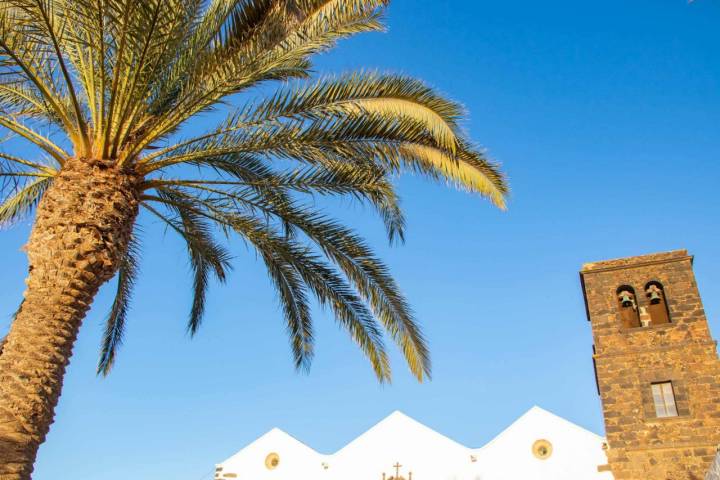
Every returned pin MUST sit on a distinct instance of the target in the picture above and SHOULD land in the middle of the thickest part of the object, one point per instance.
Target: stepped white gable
(538, 446)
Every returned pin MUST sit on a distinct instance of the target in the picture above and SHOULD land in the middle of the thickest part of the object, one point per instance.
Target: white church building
(537, 446)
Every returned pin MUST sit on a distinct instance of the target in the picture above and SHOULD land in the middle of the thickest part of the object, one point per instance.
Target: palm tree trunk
(82, 228)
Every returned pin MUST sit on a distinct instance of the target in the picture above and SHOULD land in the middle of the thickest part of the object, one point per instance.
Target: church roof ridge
(274, 432)
(532, 412)
(397, 419)
(398, 422)
(279, 431)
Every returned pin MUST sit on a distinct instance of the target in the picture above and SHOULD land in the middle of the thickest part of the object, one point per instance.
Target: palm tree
(100, 89)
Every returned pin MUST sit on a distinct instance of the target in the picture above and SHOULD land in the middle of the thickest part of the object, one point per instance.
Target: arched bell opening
(628, 307)
(657, 303)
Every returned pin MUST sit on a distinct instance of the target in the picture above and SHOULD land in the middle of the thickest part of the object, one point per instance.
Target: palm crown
(117, 79)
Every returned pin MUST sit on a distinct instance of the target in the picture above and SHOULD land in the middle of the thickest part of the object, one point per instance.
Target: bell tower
(656, 364)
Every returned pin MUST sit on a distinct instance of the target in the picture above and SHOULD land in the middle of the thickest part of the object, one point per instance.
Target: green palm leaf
(115, 323)
(20, 202)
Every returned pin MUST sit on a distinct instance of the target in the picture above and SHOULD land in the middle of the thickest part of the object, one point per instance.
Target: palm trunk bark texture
(82, 228)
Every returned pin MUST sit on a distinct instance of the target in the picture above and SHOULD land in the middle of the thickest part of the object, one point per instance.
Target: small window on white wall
(664, 398)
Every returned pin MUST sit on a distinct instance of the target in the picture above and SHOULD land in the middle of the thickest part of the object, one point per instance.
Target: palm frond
(26, 56)
(206, 256)
(394, 96)
(293, 297)
(20, 101)
(149, 36)
(35, 166)
(349, 252)
(365, 272)
(279, 55)
(374, 282)
(20, 202)
(117, 318)
(221, 24)
(372, 138)
(327, 286)
(469, 170)
(34, 137)
(46, 24)
(366, 183)
(317, 141)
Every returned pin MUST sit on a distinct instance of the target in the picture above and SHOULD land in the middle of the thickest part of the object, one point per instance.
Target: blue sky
(606, 116)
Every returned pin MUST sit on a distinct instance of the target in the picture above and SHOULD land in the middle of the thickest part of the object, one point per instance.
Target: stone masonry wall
(629, 360)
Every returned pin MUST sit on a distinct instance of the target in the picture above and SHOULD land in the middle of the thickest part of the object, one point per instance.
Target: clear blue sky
(606, 115)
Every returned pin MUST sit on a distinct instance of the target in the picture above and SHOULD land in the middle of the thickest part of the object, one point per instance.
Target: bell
(626, 299)
(654, 296)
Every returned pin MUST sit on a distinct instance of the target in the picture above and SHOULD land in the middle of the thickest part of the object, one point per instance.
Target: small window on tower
(664, 399)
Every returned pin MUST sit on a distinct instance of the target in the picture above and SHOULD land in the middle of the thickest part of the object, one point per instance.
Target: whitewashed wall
(429, 455)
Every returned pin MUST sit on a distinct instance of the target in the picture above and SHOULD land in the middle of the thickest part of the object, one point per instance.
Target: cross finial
(397, 468)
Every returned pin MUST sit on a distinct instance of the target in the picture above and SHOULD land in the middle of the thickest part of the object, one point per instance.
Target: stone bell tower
(656, 365)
